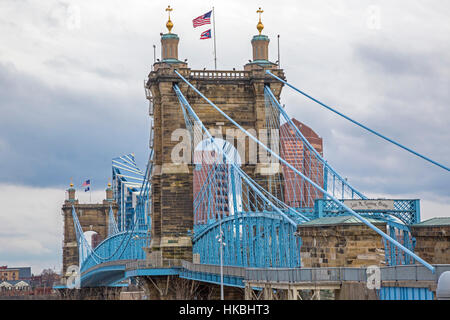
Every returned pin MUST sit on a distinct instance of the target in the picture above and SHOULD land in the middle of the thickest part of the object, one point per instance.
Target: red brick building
(202, 174)
(300, 193)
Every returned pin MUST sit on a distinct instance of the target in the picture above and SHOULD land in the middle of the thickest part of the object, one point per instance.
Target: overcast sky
(72, 97)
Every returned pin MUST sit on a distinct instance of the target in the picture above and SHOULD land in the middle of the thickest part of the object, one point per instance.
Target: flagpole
(214, 28)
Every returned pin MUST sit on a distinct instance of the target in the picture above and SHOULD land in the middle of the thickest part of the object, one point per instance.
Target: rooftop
(336, 220)
(440, 221)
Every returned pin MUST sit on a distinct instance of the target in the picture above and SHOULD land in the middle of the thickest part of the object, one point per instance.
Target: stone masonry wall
(344, 245)
(172, 192)
(432, 243)
(92, 217)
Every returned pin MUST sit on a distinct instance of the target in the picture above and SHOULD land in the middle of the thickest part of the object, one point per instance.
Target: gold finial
(169, 23)
(109, 183)
(71, 182)
(260, 26)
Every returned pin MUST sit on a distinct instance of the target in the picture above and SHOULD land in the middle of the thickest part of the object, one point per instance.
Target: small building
(13, 274)
(433, 240)
(5, 286)
(342, 241)
(22, 285)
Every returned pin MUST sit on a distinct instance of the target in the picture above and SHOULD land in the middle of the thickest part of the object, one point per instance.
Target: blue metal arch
(253, 239)
(131, 244)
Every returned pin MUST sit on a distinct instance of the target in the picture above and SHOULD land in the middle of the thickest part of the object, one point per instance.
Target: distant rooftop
(24, 272)
(440, 221)
(336, 220)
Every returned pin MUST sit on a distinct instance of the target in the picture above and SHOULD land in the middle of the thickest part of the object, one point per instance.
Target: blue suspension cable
(186, 104)
(362, 219)
(359, 124)
(310, 147)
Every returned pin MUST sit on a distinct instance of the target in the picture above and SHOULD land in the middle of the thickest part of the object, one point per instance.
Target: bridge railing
(407, 211)
(145, 264)
(339, 274)
(214, 269)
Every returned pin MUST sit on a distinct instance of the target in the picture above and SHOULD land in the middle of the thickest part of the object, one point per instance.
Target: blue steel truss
(258, 230)
(252, 239)
(406, 211)
(251, 222)
(125, 245)
(132, 245)
(131, 233)
(127, 181)
(322, 189)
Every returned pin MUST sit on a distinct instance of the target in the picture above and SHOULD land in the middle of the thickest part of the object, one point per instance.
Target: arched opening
(93, 238)
(215, 181)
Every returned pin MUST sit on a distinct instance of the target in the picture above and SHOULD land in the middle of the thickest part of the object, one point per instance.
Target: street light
(219, 238)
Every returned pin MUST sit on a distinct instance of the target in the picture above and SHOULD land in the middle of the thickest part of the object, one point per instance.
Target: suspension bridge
(230, 212)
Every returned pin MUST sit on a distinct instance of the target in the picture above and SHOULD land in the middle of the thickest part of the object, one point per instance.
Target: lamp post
(221, 244)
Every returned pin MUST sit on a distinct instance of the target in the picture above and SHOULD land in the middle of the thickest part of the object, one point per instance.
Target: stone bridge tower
(92, 217)
(239, 93)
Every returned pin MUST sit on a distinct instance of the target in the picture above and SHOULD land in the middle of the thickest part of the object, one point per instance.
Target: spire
(109, 192)
(169, 23)
(71, 192)
(259, 26)
(169, 44)
(260, 46)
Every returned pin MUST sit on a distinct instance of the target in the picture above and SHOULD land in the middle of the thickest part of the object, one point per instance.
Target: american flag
(202, 20)
(206, 34)
(86, 183)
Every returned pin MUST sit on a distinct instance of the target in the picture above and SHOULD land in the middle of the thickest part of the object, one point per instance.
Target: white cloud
(74, 98)
(31, 225)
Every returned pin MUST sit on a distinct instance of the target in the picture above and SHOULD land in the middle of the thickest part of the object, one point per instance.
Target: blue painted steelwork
(152, 272)
(328, 194)
(127, 239)
(230, 281)
(104, 275)
(106, 251)
(112, 224)
(317, 167)
(252, 239)
(257, 227)
(258, 231)
(124, 245)
(407, 211)
(405, 293)
(127, 182)
(359, 124)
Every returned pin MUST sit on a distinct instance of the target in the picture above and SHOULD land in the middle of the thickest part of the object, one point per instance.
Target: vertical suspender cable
(362, 219)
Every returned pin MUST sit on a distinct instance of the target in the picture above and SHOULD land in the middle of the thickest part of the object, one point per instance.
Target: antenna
(278, 38)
